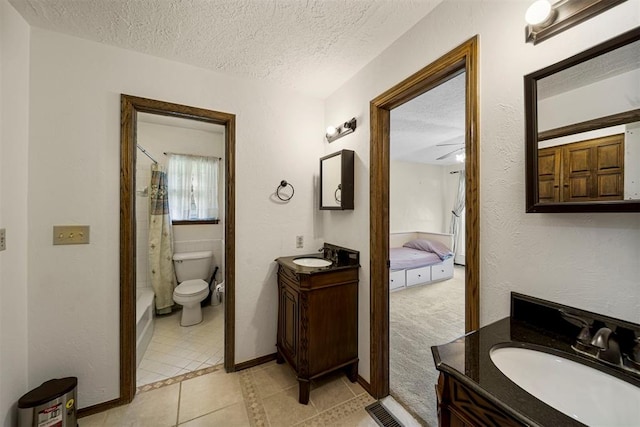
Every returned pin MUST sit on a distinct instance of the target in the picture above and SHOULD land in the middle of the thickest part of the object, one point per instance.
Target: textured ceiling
(431, 126)
(313, 46)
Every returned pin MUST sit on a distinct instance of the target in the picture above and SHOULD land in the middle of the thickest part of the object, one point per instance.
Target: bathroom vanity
(318, 314)
(474, 388)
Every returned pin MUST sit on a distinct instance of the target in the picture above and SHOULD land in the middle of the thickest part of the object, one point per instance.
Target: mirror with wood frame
(336, 181)
(583, 130)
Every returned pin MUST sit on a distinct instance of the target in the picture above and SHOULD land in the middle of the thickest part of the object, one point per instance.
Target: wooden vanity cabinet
(318, 323)
(459, 406)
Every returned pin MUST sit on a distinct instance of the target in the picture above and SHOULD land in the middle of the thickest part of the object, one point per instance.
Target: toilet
(192, 271)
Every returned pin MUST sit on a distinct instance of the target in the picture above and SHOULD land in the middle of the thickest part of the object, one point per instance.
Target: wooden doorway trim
(130, 106)
(462, 58)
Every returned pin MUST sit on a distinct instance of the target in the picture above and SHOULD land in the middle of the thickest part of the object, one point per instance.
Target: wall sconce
(546, 20)
(334, 133)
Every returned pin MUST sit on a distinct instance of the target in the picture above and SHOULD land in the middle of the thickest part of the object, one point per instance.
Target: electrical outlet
(299, 242)
(70, 234)
(3, 239)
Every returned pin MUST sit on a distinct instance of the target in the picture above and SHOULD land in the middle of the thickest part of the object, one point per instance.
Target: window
(193, 187)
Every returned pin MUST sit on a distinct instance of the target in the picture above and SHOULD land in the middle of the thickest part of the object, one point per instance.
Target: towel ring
(337, 196)
(284, 184)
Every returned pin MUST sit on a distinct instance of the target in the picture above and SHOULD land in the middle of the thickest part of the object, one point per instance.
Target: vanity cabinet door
(289, 315)
(460, 406)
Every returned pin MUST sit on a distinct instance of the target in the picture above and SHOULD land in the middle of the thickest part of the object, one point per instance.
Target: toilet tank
(192, 265)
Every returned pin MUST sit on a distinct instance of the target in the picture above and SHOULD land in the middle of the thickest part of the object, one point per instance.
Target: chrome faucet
(607, 344)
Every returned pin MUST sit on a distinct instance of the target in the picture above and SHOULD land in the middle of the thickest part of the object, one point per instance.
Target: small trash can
(218, 292)
(53, 404)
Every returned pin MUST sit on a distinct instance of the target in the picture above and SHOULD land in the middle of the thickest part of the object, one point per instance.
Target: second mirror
(336, 181)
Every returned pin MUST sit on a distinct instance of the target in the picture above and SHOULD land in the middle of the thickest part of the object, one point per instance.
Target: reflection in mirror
(604, 86)
(599, 165)
(336, 181)
(331, 181)
(583, 130)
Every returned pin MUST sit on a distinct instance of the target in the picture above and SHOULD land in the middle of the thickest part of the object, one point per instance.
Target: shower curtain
(458, 208)
(163, 278)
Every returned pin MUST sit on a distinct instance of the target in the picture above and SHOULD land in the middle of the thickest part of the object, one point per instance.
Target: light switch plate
(70, 234)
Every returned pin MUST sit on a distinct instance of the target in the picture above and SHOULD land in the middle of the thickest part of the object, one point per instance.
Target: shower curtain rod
(146, 154)
(166, 153)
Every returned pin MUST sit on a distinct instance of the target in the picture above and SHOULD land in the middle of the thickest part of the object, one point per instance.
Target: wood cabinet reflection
(591, 170)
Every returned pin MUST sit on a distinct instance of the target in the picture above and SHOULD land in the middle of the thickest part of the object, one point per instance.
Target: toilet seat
(190, 288)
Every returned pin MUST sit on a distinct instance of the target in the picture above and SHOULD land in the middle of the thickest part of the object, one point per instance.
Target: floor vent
(382, 416)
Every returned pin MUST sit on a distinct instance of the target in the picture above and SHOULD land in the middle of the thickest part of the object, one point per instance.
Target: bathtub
(144, 321)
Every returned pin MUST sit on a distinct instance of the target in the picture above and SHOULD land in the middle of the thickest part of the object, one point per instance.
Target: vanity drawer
(442, 271)
(416, 276)
(396, 279)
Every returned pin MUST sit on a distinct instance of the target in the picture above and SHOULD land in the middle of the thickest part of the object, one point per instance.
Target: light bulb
(331, 130)
(538, 12)
(460, 158)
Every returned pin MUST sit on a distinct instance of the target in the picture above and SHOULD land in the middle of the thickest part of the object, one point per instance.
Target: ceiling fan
(451, 153)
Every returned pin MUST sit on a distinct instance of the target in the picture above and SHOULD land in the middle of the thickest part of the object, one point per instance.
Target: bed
(417, 258)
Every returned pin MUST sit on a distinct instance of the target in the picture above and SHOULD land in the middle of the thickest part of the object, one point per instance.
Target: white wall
(585, 260)
(74, 178)
(417, 197)
(614, 95)
(421, 197)
(14, 124)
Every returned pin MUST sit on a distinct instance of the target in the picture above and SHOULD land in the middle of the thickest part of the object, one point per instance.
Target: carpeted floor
(420, 317)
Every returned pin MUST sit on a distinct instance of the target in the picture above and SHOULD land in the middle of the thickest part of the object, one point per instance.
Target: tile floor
(265, 395)
(175, 350)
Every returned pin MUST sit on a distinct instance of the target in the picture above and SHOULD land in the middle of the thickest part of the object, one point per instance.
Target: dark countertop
(341, 258)
(467, 360)
(287, 262)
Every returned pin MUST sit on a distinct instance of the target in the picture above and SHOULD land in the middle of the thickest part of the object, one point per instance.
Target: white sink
(583, 393)
(312, 262)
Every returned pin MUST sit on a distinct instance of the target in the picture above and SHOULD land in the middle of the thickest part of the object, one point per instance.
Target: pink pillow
(437, 248)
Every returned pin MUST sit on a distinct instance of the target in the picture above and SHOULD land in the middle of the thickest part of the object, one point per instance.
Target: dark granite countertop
(467, 359)
(287, 261)
(342, 259)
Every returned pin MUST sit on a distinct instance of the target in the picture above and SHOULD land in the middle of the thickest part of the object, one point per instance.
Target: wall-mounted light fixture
(546, 18)
(346, 128)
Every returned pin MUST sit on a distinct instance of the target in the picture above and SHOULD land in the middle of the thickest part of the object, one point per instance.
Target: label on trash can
(51, 416)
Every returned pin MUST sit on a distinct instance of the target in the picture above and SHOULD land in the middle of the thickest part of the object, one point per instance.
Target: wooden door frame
(464, 57)
(130, 106)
